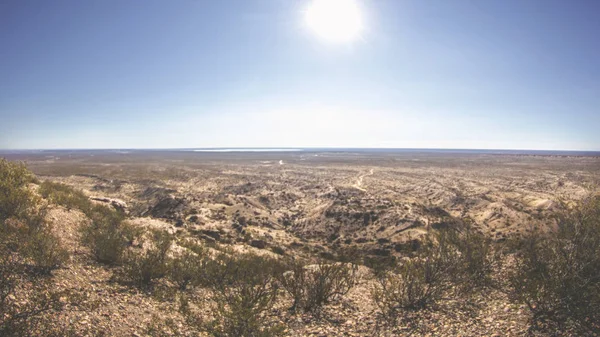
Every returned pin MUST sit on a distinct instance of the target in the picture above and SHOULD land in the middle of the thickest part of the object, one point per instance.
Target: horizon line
(287, 148)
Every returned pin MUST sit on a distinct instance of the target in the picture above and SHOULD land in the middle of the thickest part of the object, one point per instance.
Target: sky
(482, 74)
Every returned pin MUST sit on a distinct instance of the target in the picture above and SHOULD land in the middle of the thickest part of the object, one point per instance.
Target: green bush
(34, 242)
(16, 200)
(23, 230)
(141, 268)
(24, 238)
(244, 289)
(65, 195)
(313, 286)
(45, 250)
(557, 274)
(188, 269)
(107, 234)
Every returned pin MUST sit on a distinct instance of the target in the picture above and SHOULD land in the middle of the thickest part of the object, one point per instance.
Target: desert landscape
(309, 205)
(252, 168)
(364, 197)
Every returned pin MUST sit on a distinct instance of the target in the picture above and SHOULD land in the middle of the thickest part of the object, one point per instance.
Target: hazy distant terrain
(373, 199)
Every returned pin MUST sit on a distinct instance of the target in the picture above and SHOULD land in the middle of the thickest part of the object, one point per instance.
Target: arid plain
(362, 198)
(312, 204)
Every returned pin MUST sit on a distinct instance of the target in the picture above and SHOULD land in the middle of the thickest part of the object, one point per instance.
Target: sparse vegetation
(312, 286)
(44, 249)
(24, 230)
(106, 234)
(379, 265)
(418, 282)
(65, 195)
(141, 267)
(451, 259)
(225, 291)
(407, 287)
(557, 274)
(244, 290)
(189, 268)
(476, 260)
(24, 238)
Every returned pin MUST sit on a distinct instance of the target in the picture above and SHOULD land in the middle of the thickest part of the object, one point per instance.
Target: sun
(334, 21)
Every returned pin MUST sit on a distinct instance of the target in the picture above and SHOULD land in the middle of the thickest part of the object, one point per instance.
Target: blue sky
(171, 74)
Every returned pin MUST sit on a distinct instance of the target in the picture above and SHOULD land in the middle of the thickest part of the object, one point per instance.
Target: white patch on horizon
(247, 150)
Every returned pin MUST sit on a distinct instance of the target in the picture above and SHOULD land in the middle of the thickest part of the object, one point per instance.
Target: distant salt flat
(247, 150)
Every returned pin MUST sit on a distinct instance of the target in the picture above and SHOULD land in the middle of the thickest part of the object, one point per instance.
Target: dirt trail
(359, 180)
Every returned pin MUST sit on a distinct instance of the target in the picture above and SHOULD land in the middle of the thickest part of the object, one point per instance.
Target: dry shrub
(449, 259)
(476, 259)
(459, 259)
(244, 289)
(142, 267)
(188, 268)
(557, 274)
(422, 281)
(412, 285)
(313, 286)
(380, 265)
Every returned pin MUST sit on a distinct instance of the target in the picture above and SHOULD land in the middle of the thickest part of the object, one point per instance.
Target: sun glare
(335, 21)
